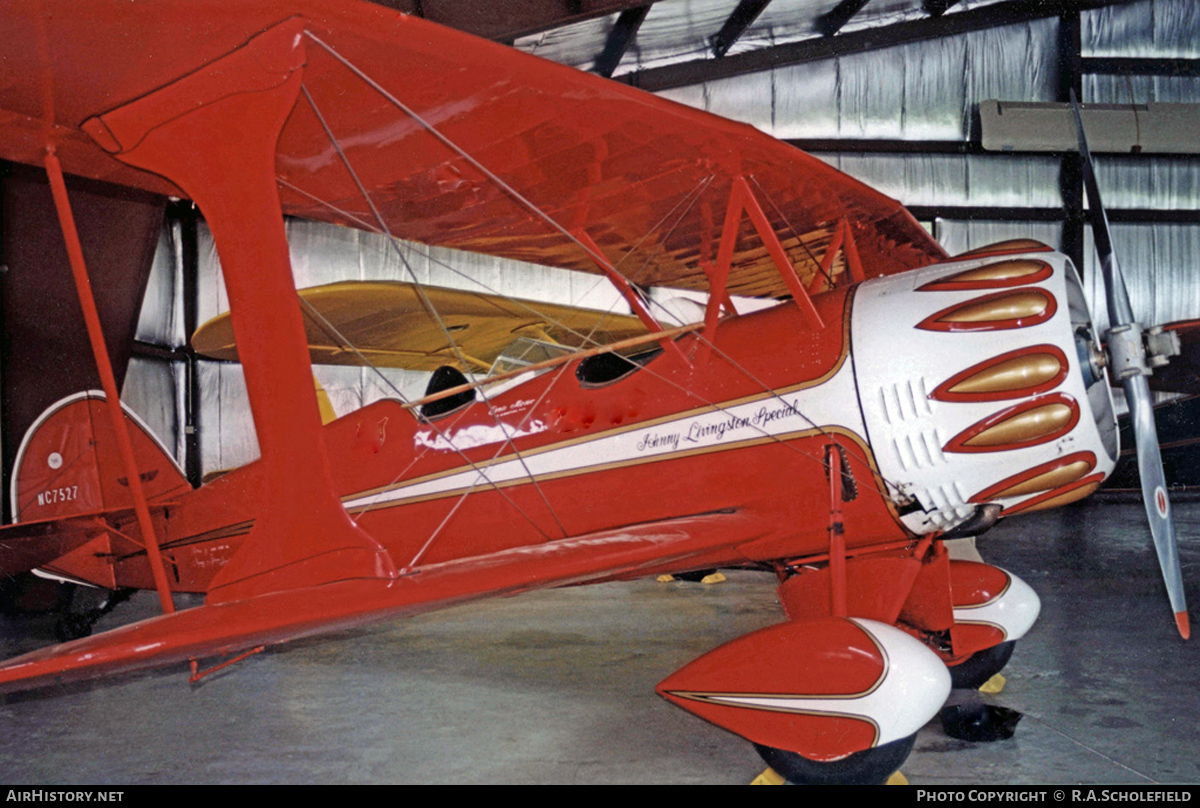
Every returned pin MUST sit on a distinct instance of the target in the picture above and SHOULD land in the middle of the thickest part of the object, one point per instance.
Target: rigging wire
(418, 456)
(454, 147)
(522, 200)
(332, 331)
(424, 298)
(812, 257)
(850, 450)
(691, 198)
(648, 369)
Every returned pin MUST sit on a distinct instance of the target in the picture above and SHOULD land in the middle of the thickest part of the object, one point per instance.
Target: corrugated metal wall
(929, 91)
(154, 387)
(921, 91)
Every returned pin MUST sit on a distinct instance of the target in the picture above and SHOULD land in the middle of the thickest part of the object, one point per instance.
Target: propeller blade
(1154, 496)
(1125, 336)
(1115, 293)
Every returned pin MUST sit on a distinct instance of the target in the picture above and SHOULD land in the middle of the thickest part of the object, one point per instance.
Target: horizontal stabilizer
(226, 628)
(69, 485)
(29, 545)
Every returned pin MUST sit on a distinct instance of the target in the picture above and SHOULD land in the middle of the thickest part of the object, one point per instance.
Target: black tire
(693, 577)
(73, 627)
(976, 669)
(870, 767)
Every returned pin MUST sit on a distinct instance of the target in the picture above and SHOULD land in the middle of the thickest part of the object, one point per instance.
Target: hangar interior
(888, 91)
(902, 117)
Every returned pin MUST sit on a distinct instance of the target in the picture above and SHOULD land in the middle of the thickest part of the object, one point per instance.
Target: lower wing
(281, 616)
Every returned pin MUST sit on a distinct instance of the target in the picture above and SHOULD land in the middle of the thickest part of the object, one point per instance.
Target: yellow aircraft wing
(388, 325)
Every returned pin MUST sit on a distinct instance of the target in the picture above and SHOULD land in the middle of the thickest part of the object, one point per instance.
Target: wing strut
(842, 240)
(742, 200)
(627, 291)
(91, 316)
(213, 133)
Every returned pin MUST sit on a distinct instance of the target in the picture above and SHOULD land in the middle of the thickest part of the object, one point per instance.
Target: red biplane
(893, 399)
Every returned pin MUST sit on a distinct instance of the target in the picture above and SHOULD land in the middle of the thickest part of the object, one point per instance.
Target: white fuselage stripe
(832, 404)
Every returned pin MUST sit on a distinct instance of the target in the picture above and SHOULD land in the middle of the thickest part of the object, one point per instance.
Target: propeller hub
(1092, 359)
(1133, 351)
(1127, 352)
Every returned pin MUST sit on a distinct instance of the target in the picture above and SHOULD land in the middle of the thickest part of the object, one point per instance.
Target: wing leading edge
(645, 179)
(278, 617)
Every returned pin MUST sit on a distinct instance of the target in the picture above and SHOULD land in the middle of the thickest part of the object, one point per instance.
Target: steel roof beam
(852, 145)
(832, 21)
(888, 146)
(505, 20)
(808, 50)
(926, 213)
(619, 39)
(743, 17)
(936, 8)
(1135, 66)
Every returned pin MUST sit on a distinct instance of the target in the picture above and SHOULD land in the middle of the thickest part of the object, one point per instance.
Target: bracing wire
(520, 199)
(649, 370)
(332, 331)
(424, 298)
(794, 232)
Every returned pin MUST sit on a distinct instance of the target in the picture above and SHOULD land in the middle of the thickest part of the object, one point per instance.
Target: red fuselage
(952, 388)
(666, 440)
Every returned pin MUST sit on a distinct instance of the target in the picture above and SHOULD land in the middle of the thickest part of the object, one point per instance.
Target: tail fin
(69, 463)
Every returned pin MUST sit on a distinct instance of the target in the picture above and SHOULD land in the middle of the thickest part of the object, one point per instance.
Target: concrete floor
(557, 687)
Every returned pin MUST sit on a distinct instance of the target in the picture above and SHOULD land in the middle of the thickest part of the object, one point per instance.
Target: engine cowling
(981, 382)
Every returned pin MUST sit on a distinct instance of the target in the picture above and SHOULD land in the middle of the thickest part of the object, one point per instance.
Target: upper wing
(646, 179)
(282, 616)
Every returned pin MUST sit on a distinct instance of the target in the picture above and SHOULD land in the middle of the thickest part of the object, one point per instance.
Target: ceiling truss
(860, 41)
(743, 17)
(619, 39)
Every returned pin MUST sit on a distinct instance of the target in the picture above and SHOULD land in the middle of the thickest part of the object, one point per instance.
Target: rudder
(69, 463)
